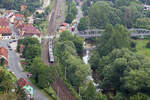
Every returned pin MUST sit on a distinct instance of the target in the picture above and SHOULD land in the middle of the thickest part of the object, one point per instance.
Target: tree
(140, 96)
(66, 35)
(78, 42)
(143, 23)
(91, 94)
(8, 4)
(113, 37)
(27, 41)
(69, 18)
(148, 45)
(125, 72)
(83, 24)
(76, 70)
(6, 83)
(32, 51)
(129, 14)
(99, 18)
(42, 74)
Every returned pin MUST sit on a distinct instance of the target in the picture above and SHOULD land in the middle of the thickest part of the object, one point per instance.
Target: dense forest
(15, 5)
(129, 13)
(119, 69)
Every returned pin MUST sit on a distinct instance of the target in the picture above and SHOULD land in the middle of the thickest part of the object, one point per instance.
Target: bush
(132, 44)
(51, 92)
(148, 45)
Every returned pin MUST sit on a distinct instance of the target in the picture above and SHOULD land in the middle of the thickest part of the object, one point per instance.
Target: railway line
(59, 86)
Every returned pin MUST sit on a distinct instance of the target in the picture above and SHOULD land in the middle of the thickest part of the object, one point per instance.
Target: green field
(141, 48)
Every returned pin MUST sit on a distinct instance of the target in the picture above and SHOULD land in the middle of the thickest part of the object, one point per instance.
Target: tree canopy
(125, 72)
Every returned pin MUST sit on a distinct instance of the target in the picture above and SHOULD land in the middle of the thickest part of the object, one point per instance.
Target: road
(15, 67)
(78, 17)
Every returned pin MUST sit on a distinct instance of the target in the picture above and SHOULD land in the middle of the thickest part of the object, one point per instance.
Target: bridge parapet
(135, 32)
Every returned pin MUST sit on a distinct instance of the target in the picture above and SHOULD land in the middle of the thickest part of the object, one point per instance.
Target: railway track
(59, 86)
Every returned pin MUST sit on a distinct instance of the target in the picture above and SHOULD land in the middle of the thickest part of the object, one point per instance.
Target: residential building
(27, 88)
(28, 30)
(22, 82)
(14, 17)
(5, 33)
(4, 56)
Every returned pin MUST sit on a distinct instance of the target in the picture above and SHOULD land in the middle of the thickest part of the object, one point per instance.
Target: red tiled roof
(4, 52)
(22, 82)
(5, 31)
(4, 22)
(19, 15)
(30, 30)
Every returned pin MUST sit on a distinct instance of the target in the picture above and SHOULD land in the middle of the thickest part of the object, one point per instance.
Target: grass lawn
(141, 48)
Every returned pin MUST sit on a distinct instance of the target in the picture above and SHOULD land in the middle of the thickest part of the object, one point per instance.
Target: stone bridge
(135, 32)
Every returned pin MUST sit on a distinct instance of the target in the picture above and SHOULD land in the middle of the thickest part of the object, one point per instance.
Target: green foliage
(2, 61)
(31, 49)
(148, 45)
(114, 37)
(6, 4)
(124, 12)
(140, 96)
(6, 83)
(91, 94)
(74, 93)
(66, 35)
(71, 64)
(122, 70)
(72, 12)
(42, 74)
(15, 4)
(77, 42)
(99, 18)
(51, 92)
(42, 25)
(143, 23)
(132, 44)
(83, 24)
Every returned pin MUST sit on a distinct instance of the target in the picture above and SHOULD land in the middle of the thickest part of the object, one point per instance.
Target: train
(50, 51)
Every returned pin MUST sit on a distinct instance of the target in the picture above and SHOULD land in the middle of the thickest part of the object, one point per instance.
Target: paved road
(14, 34)
(78, 17)
(15, 67)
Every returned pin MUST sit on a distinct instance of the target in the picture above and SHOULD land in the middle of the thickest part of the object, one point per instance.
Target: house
(3, 56)
(25, 85)
(14, 17)
(5, 33)
(4, 23)
(28, 30)
(22, 82)
(28, 90)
